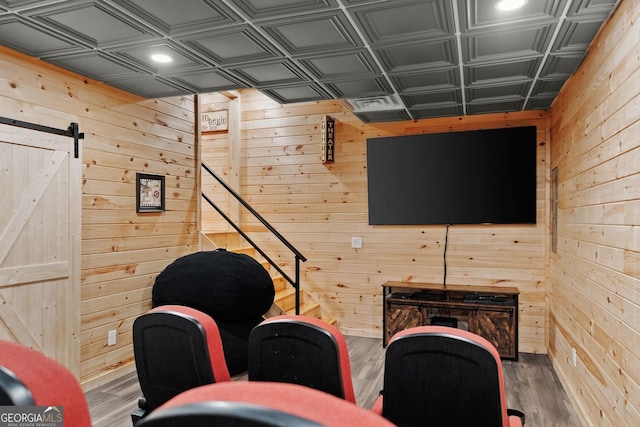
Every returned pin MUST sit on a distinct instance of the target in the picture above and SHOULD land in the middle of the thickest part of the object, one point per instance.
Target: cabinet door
(400, 317)
(498, 328)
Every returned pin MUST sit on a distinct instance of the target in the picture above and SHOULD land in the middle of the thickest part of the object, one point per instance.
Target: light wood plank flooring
(532, 387)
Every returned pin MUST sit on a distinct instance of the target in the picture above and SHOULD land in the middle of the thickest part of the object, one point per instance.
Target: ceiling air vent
(375, 103)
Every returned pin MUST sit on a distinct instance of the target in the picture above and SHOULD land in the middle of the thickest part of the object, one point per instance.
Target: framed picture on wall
(149, 193)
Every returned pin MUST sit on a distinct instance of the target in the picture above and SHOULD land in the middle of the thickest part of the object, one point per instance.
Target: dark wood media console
(487, 311)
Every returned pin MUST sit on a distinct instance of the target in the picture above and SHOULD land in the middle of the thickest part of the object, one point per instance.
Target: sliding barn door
(40, 218)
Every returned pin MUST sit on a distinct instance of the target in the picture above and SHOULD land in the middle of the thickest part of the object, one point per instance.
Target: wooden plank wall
(595, 292)
(122, 251)
(319, 207)
(215, 152)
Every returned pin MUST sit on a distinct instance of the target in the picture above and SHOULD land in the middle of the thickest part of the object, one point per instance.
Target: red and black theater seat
(260, 404)
(437, 375)
(176, 348)
(30, 378)
(301, 350)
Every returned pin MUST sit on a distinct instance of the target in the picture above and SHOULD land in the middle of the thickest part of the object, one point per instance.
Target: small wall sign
(328, 140)
(214, 121)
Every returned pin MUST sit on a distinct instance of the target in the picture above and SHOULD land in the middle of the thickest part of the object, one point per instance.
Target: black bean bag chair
(233, 288)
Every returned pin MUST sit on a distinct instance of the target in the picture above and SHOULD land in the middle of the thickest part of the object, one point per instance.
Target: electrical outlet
(574, 357)
(111, 339)
(356, 242)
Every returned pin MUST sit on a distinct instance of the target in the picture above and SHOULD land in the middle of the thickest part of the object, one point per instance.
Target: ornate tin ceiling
(387, 59)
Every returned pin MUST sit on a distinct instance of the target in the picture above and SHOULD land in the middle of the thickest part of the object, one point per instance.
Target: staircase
(284, 301)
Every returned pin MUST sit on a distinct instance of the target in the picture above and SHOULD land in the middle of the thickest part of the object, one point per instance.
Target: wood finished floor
(532, 387)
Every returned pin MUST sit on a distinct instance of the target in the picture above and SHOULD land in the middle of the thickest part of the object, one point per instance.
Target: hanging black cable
(446, 243)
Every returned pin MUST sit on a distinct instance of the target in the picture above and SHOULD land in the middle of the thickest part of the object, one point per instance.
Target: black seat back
(303, 351)
(219, 413)
(441, 379)
(171, 355)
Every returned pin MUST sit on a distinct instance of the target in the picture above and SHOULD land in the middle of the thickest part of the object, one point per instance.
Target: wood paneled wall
(319, 207)
(216, 152)
(595, 292)
(122, 251)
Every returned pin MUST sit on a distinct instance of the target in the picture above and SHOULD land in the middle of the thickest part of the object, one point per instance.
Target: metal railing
(298, 256)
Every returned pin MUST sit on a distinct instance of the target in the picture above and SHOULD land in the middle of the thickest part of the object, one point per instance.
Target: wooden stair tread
(284, 293)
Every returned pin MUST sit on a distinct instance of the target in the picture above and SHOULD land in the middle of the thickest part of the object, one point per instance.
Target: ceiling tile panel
(426, 80)
(513, 91)
(506, 43)
(442, 98)
(231, 46)
(302, 93)
(149, 85)
(592, 7)
(313, 33)
(539, 103)
(409, 59)
(362, 87)
(8, 4)
(270, 74)
(561, 65)
(263, 9)
(495, 107)
(418, 56)
(141, 56)
(501, 72)
(548, 88)
(576, 34)
(95, 23)
(341, 65)
(482, 14)
(206, 80)
(29, 37)
(356, 2)
(404, 20)
(97, 65)
(174, 17)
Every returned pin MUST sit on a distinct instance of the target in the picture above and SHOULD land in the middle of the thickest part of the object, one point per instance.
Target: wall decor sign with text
(214, 121)
(327, 126)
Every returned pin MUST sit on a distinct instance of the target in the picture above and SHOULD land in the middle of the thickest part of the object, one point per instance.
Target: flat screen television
(470, 177)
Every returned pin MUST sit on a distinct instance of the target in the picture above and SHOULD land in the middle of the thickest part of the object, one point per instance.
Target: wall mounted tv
(471, 177)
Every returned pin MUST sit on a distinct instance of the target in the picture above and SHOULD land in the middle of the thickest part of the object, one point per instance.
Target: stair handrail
(298, 255)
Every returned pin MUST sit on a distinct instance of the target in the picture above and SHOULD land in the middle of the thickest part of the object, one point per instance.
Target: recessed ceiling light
(161, 58)
(506, 5)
